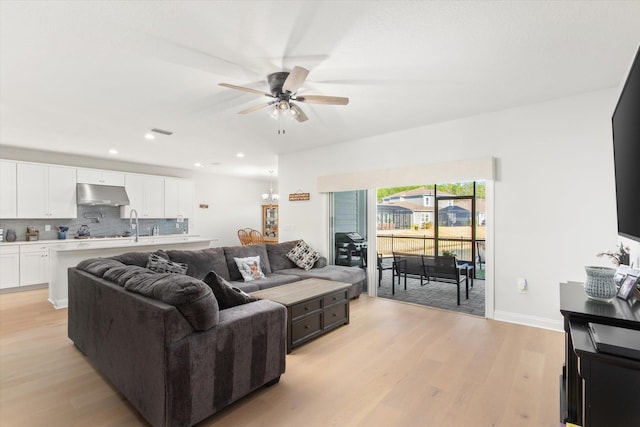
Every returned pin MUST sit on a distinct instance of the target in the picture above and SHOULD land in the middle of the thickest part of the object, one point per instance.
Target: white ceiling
(83, 77)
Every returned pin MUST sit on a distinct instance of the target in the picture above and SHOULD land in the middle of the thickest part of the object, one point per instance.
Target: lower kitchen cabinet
(34, 265)
(9, 266)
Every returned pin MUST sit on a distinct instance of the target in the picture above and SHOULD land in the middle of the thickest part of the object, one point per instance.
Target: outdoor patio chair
(445, 269)
(480, 249)
(383, 266)
(407, 264)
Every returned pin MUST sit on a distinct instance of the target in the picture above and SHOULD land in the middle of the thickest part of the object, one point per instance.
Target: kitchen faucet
(131, 219)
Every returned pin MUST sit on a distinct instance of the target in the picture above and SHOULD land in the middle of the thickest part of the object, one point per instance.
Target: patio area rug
(435, 294)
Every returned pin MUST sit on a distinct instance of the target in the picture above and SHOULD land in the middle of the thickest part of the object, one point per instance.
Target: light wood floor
(394, 365)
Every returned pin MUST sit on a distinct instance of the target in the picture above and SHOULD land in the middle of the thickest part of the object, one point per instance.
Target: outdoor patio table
(467, 270)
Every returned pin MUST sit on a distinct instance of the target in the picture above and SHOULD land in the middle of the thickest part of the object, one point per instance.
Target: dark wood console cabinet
(597, 389)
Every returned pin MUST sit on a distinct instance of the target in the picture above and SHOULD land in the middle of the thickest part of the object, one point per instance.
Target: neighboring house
(407, 209)
(401, 215)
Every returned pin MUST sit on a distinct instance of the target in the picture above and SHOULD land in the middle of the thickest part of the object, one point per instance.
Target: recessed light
(240, 155)
(112, 151)
(198, 165)
(149, 136)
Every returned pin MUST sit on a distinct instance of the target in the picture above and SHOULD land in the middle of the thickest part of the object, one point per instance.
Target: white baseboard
(58, 304)
(523, 319)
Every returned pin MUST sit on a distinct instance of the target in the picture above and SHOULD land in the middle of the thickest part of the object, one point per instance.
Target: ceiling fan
(284, 87)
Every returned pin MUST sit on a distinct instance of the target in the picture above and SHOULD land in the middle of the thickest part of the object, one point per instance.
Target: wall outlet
(522, 285)
(177, 225)
(47, 227)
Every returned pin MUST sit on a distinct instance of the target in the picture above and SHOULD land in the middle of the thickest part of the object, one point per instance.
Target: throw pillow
(303, 255)
(161, 265)
(249, 268)
(226, 294)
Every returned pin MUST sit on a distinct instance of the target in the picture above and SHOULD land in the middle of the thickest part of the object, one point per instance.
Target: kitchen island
(69, 253)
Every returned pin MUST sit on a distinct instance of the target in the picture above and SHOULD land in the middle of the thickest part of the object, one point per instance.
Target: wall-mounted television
(626, 154)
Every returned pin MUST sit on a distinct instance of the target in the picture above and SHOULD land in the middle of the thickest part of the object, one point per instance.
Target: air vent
(162, 131)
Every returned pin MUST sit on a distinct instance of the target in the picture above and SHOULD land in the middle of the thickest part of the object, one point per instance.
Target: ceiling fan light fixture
(275, 113)
(283, 105)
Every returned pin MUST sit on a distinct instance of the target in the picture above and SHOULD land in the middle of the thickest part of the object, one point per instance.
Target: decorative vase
(11, 235)
(600, 285)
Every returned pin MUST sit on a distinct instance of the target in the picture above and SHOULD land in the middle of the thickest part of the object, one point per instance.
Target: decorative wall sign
(297, 197)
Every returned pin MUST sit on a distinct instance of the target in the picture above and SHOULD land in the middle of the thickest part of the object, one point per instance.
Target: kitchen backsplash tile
(110, 224)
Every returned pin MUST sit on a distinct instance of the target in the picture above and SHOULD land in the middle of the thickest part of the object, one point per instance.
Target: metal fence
(462, 248)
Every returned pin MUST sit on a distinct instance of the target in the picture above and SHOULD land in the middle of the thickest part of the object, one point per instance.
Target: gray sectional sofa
(162, 340)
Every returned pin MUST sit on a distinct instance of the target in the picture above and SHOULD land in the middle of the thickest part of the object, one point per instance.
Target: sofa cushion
(192, 297)
(160, 265)
(303, 255)
(98, 266)
(201, 262)
(278, 255)
(249, 268)
(269, 281)
(231, 252)
(138, 258)
(226, 294)
(121, 274)
(339, 273)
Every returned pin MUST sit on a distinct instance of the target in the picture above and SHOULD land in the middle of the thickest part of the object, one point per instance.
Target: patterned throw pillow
(303, 255)
(160, 265)
(249, 268)
(226, 294)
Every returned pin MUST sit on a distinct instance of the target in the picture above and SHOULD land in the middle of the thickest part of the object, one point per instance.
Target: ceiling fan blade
(321, 99)
(255, 108)
(300, 115)
(245, 89)
(296, 77)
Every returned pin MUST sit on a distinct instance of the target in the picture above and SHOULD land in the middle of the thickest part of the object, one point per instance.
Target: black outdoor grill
(351, 249)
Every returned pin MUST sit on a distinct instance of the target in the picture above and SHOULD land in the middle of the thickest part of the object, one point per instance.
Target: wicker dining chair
(244, 236)
(256, 236)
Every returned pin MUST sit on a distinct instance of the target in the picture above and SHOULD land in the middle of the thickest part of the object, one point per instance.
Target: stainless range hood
(101, 195)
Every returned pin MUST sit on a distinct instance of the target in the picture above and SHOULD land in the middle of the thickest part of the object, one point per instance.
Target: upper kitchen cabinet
(45, 191)
(8, 198)
(178, 198)
(100, 177)
(146, 196)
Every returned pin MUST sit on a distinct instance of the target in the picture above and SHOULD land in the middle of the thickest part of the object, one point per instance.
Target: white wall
(234, 203)
(554, 192)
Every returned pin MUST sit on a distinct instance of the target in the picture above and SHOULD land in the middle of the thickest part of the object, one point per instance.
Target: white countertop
(110, 242)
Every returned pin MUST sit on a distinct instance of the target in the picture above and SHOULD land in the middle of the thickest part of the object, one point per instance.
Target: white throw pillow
(303, 255)
(249, 268)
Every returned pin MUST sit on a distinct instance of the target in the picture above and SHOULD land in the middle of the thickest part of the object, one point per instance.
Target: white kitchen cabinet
(100, 177)
(8, 198)
(178, 198)
(9, 266)
(34, 265)
(46, 191)
(146, 196)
